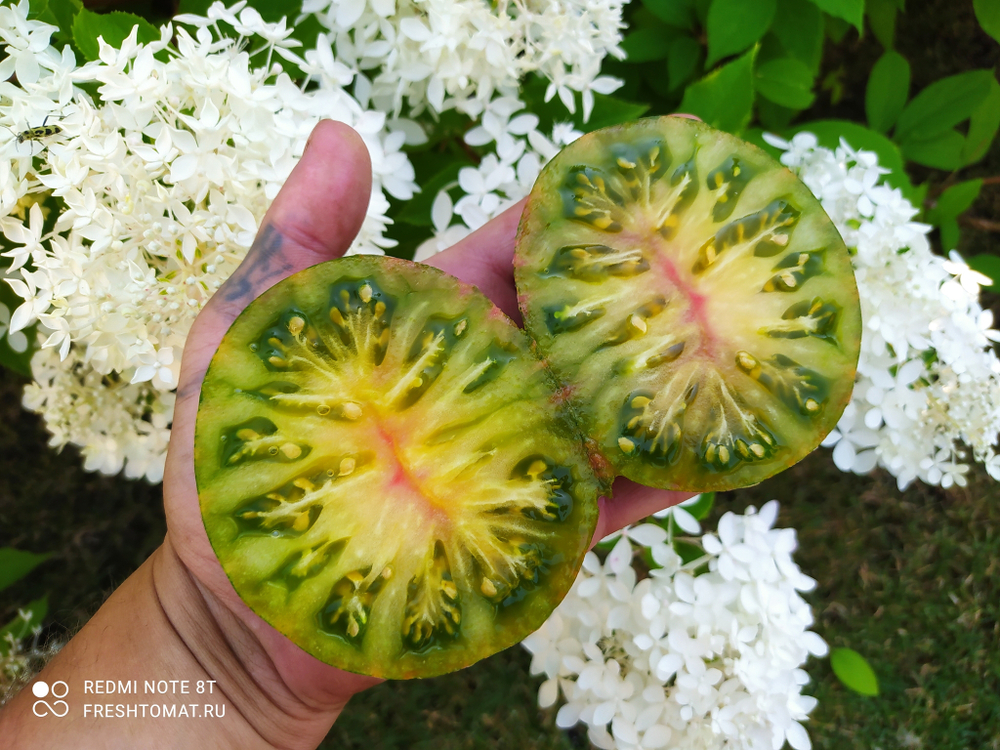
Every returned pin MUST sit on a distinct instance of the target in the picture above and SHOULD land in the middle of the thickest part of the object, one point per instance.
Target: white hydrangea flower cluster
(461, 54)
(928, 378)
(160, 184)
(706, 654)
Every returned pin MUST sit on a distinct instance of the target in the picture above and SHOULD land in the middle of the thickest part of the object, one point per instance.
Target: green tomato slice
(694, 297)
(387, 473)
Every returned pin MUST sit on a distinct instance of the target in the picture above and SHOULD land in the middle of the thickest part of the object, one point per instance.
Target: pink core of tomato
(697, 304)
(404, 483)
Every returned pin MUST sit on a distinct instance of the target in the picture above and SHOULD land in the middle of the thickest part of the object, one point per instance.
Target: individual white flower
(969, 280)
(25, 41)
(156, 366)
(588, 82)
(444, 236)
(481, 200)
(29, 237)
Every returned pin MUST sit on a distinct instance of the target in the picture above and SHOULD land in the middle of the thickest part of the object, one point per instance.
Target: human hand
(314, 218)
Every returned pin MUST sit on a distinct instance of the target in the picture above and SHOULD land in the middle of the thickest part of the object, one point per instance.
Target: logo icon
(42, 707)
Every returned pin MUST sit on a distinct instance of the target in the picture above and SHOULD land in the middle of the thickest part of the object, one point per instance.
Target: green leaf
(683, 59)
(888, 88)
(773, 117)
(19, 362)
(882, 20)
(59, 13)
(687, 550)
(196, 7)
(988, 265)
(950, 234)
(21, 628)
(609, 110)
(649, 43)
(734, 25)
(785, 81)
(852, 11)
(798, 27)
(701, 10)
(917, 195)
(942, 105)
(957, 199)
(655, 75)
(988, 15)
(983, 127)
(943, 151)
(852, 670)
(703, 507)
(724, 97)
(951, 203)
(37, 9)
(273, 12)
(113, 27)
(417, 210)
(836, 28)
(678, 13)
(15, 564)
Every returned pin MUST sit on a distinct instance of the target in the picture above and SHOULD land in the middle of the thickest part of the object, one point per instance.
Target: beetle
(39, 132)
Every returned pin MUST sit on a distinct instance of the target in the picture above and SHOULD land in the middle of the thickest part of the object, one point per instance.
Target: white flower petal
(647, 534)
(797, 736)
(686, 521)
(548, 693)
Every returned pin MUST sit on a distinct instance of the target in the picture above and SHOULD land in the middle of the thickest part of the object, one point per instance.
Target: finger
(630, 503)
(485, 259)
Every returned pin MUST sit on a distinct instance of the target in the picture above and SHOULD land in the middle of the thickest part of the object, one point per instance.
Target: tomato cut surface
(695, 298)
(387, 472)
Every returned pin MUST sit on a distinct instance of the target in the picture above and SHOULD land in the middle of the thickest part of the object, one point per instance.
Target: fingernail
(312, 135)
(309, 140)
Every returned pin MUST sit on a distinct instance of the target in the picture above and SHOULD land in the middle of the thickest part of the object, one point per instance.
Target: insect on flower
(39, 132)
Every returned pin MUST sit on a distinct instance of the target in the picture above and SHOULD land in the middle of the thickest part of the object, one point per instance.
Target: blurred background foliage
(908, 580)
